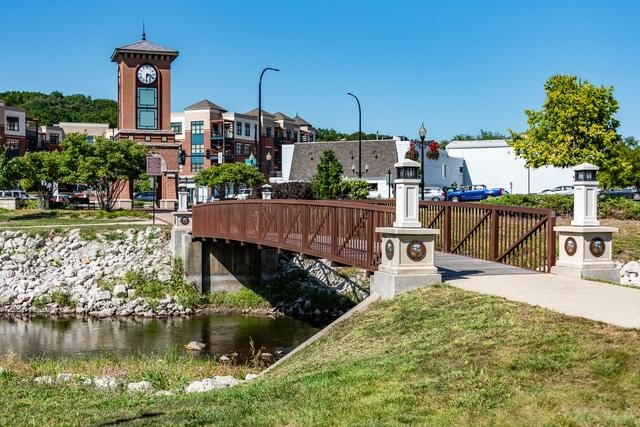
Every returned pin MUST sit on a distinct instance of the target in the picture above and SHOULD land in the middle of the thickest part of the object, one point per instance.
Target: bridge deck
(459, 267)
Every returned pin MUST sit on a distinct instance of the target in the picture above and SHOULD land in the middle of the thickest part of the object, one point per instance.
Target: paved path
(617, 305)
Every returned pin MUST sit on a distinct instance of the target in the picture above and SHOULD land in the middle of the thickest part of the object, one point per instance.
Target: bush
(608, 207)
(292, 190)
(63, 299)
(354, 189)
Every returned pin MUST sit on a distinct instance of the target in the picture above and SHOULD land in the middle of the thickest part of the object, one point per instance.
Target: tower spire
(144, 34)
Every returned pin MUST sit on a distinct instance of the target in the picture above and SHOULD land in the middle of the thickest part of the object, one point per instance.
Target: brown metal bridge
(344, 231)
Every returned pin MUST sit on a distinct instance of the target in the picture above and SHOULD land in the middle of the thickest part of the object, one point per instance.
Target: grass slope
(436, 356)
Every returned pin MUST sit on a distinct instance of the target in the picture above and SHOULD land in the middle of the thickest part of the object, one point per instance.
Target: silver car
(561, 189)
(436, 194)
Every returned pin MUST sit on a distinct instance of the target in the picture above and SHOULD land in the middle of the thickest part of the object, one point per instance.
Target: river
(223, 334)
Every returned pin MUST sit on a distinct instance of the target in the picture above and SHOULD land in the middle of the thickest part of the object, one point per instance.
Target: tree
(576, 125)
(106, 166)
(236, 174)
(623, 166)
(38, 171)
(7, 176)
(326, 182)
(323, 134)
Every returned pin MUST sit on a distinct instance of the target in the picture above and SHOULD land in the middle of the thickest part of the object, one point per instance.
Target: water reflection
(55, 337)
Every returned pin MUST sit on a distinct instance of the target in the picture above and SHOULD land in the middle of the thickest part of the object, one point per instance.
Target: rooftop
(144, 46)
(488, 143)
(205, 104)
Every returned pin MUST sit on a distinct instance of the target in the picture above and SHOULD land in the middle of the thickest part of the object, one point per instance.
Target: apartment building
(210, 135)
(13, 129)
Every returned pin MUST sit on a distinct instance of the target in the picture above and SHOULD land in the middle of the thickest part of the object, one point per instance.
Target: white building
(92, 130)
(495, 164)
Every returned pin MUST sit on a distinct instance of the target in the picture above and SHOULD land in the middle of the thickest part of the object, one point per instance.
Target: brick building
(210, 135)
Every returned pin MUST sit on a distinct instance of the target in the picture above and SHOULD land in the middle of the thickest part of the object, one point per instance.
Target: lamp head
(422, 131)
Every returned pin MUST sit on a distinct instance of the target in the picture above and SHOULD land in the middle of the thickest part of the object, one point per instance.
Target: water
(223, 334)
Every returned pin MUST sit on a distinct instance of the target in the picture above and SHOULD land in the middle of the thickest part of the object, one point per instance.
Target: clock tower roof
(146, 47)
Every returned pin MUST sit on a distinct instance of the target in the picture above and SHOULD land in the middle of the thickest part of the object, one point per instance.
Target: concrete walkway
(612, 304)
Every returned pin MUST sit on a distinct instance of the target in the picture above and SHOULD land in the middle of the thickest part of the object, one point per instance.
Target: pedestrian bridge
(345, 231)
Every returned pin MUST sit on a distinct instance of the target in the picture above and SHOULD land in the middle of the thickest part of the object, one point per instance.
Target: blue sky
(459, 66)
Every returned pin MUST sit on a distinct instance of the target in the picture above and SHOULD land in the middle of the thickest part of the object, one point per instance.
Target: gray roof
(281, 116)
(144, 46)
(254, 113)
(205, 104)
(300, 121)
(378, 155)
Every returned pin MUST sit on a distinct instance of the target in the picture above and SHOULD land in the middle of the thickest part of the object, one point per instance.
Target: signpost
(154, 168)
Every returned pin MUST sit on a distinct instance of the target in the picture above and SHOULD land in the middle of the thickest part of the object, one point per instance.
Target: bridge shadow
(453, 267)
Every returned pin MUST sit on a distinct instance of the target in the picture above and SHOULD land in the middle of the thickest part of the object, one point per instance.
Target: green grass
(432, 357)
(37, 217)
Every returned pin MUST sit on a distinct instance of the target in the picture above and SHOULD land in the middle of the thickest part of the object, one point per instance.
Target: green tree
(325, 135)
(354, 189)
(576, 125)
(623, 166)
(234, 174)
(326, 182)
(106, 166)
(7, 176)
(38, 171)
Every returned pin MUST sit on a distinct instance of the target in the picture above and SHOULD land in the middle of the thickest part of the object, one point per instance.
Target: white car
(561, 189)
(244, 194)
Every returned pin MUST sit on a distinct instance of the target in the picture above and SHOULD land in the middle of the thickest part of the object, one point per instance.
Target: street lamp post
(260, 115)
(359, 135)
(422, 132)
(268, 159)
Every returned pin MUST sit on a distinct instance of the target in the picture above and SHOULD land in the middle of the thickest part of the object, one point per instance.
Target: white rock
(105, 383)
(120, 291)
(214, 383)
(224, 359)
(250, 377)
(44, 379)
(195, 346)
(102, 295)
(64, 377)
(139, 386)
(631, 267)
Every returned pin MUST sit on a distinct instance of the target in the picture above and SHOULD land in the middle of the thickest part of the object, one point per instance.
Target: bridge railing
(341, 231)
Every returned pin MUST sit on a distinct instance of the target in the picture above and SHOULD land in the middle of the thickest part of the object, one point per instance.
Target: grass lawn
(37, 217)
(435, 356)
(626, 243)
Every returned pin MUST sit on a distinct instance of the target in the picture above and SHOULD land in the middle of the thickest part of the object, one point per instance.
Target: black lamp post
(260, 115)
(359, 135)
(389, 182)
(422, 132)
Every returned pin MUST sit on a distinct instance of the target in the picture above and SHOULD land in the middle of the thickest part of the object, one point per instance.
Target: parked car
(16, 194)
(561, 189)
(60, 199)
(436, 194)
(629, 193)
(145, 196)
(244, 194)
(473, 193)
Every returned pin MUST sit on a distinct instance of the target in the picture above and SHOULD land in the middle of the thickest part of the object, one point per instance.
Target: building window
(268, 131)
(444, 171)
(295, 135)
(176, 127)
(90, 139)
(247, 129)
(238, 149)
(247, 149)
(310, 137)
(239, 128)
(197, 127)
(288, 134)
(197, 146)
(147, 108)
(196, 167)
(255, 132)
(13, 144)
(13, 123)
(53, 138)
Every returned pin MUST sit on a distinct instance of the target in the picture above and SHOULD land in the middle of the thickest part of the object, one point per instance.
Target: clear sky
(459, 66)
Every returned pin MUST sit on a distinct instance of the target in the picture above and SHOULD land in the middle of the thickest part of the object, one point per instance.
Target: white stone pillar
(266, 192)
(585, 195)
(183, 198)
(407, 191)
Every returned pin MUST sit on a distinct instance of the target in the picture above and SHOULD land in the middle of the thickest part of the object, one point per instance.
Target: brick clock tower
(144, 111)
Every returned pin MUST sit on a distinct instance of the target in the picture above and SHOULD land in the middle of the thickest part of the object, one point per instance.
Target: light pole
(268, 159)
(422, 132)
(260, 115)
(359, 135)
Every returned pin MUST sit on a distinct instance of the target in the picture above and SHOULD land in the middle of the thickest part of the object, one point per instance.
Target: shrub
(292, 190)
(63, 299)
(618, 208)
(147, 286)
(354, 189)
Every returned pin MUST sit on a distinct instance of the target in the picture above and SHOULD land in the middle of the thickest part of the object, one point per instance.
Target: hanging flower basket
(433, 150)
(412, 154)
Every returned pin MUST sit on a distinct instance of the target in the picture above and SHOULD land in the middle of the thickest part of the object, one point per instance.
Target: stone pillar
(585, 246)
(408, 249)
(266, 192)
(183, 201)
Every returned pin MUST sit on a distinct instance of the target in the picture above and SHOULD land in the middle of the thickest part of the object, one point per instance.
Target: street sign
(154, 165)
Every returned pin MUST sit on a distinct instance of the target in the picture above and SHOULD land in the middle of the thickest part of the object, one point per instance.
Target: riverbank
(435, 356)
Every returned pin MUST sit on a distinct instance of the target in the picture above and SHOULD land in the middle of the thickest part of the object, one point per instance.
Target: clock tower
(144, 111)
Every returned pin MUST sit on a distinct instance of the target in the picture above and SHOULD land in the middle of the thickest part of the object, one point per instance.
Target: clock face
(147, 74)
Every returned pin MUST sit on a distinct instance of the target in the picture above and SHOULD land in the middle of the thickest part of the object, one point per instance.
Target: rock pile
(630, 273)
(68, 274)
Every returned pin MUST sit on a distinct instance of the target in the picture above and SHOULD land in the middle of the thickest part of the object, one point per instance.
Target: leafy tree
(106, 166)
(622, 169)
(236, 174)
(7, 176)
(576, 125)
(292, 190)
(354, 189)
(56, 107)
(323, 134)
(38, 171)
(326, 182)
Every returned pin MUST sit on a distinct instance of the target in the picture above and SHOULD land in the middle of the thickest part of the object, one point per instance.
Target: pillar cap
(407, 163)
(586, 167)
